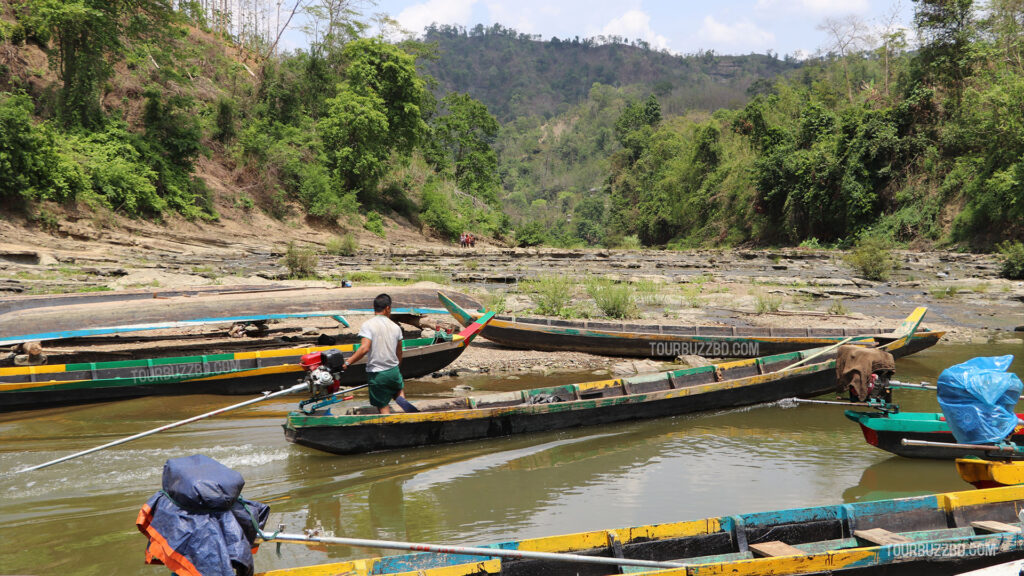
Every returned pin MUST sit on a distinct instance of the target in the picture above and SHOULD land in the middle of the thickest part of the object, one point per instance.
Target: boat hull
(990, 473)
(932, 535)
(274, 374)
(887, 432)
(544, 417)
(667, 341)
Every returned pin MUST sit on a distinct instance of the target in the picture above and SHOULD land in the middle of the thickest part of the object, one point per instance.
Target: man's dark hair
(381, 302)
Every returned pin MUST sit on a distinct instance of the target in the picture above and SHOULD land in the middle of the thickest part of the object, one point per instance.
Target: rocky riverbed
(776, 287)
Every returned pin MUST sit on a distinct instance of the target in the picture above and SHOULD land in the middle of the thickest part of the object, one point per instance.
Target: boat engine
(865, 373)
(323, 372)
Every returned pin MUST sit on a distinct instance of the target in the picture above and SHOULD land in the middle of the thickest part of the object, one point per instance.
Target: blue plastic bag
(978, 398)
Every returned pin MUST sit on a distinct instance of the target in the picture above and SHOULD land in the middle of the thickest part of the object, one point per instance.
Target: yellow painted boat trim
(775, 566)
(973, 471)
(471, 414)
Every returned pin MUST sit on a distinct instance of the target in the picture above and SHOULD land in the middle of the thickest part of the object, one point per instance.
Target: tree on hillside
(846, 36)
(89, 35)
(376, 113)
(947, 29)
(462, 143)
(635, 124)
(374, 67)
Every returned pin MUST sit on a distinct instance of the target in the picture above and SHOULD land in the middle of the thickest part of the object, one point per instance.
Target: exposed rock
(692, 360)
(631, 367)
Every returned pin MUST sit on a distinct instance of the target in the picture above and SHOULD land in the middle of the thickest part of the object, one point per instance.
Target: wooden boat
(887, 432)
(237, 373)
(663, 341)
(935, 535)
(990, 473)
(1015, 568)
(721, 385)
(131, 315)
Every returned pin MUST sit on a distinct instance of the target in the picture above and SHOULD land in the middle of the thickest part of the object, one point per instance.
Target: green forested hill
(517, 74)
(117, 105)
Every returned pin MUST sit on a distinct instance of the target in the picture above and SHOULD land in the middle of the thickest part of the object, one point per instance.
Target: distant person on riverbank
(382, 344)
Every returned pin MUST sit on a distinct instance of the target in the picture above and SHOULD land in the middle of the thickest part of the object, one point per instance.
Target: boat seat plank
(714, 559)
(993, 527)
(774, 548)
(881, 536)
(826, 545)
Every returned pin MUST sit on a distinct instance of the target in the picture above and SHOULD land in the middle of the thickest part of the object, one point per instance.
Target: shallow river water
(78, 517)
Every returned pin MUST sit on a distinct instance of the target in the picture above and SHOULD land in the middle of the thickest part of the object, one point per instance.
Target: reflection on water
(78, 517)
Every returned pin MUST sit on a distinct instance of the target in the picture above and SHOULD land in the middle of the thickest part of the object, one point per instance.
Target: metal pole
(824, 350)
(266, 396)
(985, 447)
(834, 403)
(469, 551)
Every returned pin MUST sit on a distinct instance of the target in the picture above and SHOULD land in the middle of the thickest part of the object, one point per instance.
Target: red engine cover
(310, 361)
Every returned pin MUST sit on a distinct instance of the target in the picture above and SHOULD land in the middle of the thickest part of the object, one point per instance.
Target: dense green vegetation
(921, 147)
(600, 141)
(518, 74)
(345, 128)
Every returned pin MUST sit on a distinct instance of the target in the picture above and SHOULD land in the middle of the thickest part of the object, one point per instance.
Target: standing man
(382, 344)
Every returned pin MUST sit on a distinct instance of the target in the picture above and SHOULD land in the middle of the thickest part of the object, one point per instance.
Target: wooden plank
(774, 548)
(880, 536)
(993, 527)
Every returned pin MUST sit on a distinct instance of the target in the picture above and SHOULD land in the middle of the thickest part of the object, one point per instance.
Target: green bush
(837, 308)
(436, 211)
(768, 303)
(530, 234)
(245, 202)
(613, 299)
(495, 302)
(374, 223)
(17, 35)
(1012, 255)
(36, 162)
(225, 121)
(871, 258)
(346, 245)
(301, 262)
(551, 293)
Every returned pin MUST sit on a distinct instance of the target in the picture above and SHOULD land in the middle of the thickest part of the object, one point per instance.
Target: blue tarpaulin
(978, 398)
(199, 525)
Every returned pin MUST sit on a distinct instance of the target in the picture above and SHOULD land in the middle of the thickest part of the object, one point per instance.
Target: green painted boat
(887, 432)
(668, 341)
(32, 387)
(725, 384)
(935, 535)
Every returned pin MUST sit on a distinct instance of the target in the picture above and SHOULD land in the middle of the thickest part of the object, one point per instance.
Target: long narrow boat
(990, 473)
(666, 341)
(887, 432)
(736, 383)
(935, 535)
(237, 373)
(112, 317)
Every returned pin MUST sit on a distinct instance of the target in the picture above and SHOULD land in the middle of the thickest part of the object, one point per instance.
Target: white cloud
(742, 35)
(418, 16)
(816, 7)
(635, 24)
(511, 16)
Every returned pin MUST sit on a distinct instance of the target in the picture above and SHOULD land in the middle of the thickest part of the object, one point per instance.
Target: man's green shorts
(384, 386)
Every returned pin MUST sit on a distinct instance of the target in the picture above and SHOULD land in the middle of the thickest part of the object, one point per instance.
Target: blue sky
(725, 26)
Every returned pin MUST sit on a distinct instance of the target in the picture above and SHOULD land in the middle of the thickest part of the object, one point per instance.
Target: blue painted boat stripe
(337, 314)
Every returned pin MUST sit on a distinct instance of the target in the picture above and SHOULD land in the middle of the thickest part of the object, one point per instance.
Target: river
(78, 517)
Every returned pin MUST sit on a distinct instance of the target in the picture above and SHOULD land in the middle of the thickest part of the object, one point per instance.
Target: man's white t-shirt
(384, 336)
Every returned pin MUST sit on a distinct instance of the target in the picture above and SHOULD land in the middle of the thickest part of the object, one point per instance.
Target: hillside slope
(518, 75)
